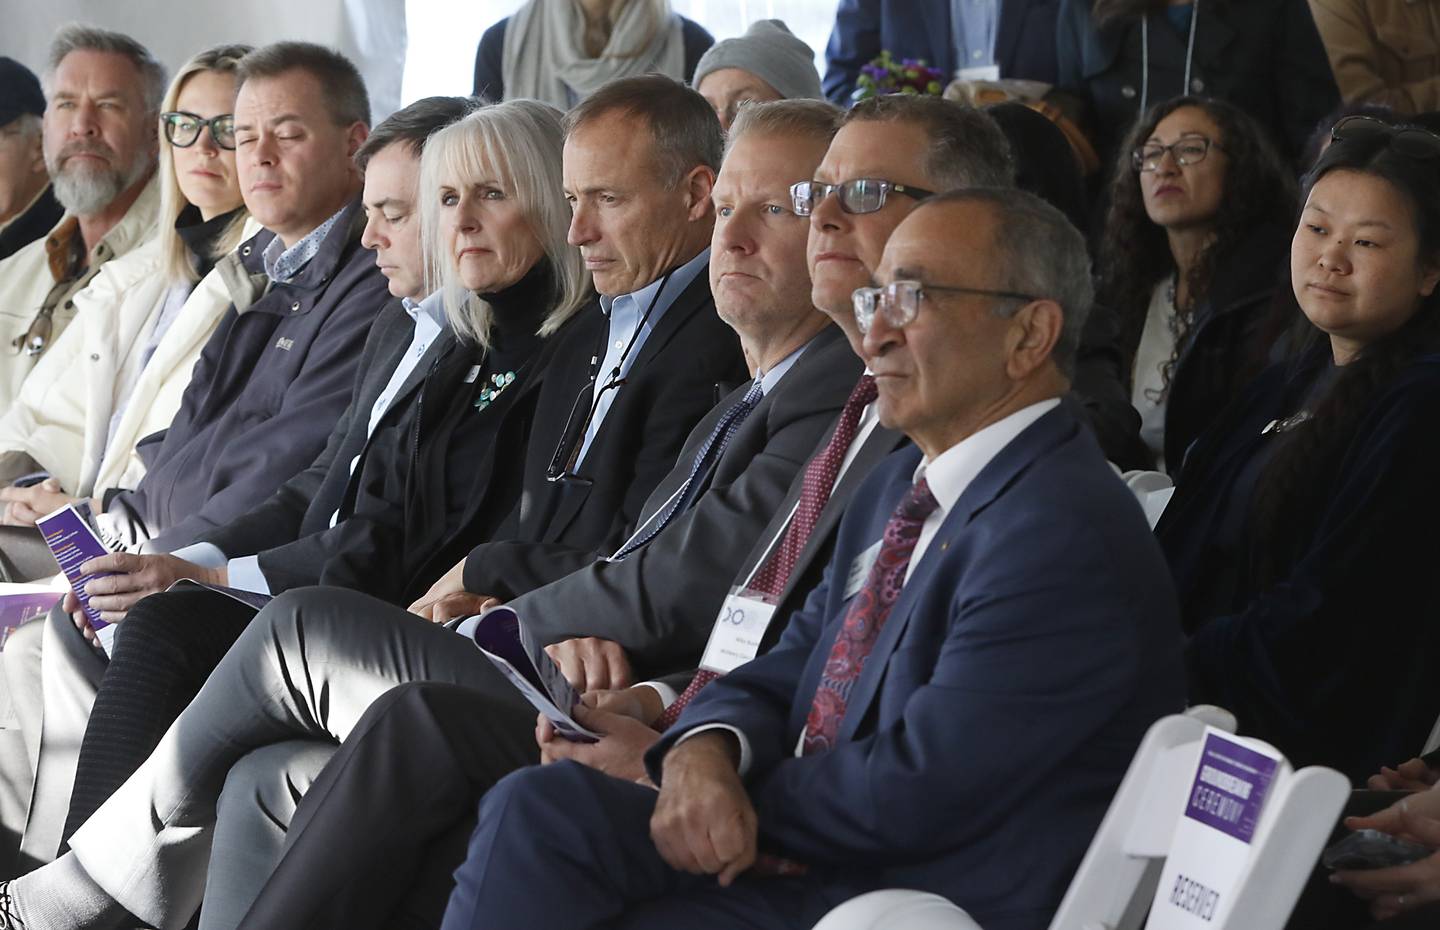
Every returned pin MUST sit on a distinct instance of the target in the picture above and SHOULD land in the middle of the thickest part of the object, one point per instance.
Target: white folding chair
(1115, 883)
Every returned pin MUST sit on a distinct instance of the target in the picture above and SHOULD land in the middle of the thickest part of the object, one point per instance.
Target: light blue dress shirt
(429, 316)
(625, 313)
(973, 25)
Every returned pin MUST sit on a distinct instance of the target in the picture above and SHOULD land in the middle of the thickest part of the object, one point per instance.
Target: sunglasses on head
(1410, 141)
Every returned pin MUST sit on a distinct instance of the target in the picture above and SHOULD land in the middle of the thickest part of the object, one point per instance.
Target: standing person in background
(1117, 58)
(28, 207)
(1384, 53)
(766, 64)
(103, 92)
(534, 52)
(973, 39)
(1200, 213)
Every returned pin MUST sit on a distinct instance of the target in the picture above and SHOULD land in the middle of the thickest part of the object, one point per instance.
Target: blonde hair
(177, 262)
(520, 141)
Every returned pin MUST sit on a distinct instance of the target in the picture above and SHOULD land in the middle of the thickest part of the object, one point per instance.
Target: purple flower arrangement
(885, 75)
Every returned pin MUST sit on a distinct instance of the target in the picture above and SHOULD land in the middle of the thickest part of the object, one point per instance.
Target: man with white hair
(27, 206)
(103, 92)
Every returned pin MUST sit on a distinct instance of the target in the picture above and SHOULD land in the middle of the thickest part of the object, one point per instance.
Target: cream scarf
(544, 58)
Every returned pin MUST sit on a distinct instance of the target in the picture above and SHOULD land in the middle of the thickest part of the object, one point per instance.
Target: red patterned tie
(866, 617)
(819, 482)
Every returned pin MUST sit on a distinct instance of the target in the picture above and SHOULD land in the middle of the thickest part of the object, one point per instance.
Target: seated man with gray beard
(103, 92)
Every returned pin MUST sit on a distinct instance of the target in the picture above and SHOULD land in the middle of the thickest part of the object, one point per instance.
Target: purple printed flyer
(68, 533)
(21, 603)
(1230, 787)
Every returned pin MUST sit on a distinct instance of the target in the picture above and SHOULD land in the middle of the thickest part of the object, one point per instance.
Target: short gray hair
(339, 79)
(1040, 253)
(814, 119)
(967, 147)
(685, 130)
(78, 37)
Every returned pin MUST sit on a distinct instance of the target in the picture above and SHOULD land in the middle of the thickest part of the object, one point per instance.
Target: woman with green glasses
(1200, 207)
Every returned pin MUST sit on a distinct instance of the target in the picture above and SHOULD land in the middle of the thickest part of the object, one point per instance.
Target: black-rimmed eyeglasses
(1190, 150)
(860, 195)
(182, 129)
(899, 301)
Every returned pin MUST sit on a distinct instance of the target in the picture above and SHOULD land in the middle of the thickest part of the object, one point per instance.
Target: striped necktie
(710, 451)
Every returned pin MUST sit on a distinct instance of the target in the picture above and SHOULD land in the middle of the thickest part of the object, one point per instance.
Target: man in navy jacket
(955, 704)
(1021, 43)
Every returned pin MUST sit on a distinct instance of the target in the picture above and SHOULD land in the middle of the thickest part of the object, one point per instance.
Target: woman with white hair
(117, 373)
(437, 479)
(561, 51)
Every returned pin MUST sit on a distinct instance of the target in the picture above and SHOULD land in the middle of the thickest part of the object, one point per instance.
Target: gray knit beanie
(769, 51)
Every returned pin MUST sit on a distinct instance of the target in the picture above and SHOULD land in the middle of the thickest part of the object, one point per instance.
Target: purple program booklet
(73, 542)
(502, 638)
(20, 603)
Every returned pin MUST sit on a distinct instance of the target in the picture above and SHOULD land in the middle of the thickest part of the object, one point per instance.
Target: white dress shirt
(625, 313)
(948, 474)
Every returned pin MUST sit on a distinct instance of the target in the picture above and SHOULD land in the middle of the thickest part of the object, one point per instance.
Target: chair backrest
(1116, 881)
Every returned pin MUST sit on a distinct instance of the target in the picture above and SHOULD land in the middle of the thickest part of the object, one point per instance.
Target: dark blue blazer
(1034, 643)
(1024, 39)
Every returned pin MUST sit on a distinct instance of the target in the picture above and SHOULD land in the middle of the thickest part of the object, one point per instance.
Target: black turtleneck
(461, 484)
(516, 315)
(201, 235)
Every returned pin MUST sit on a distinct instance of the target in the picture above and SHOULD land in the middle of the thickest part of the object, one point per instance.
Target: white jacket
(62, 416)
(25, 282)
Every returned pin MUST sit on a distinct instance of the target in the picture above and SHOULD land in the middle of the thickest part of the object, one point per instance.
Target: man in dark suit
(1015, 38)
(954, 705)
(438, 735)
(701, 520)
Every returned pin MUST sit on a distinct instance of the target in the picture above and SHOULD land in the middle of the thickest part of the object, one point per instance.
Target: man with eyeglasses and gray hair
(993, 636)
(103, 92)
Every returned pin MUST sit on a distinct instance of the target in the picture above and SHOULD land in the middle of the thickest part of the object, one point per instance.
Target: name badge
(472, 374)
(739, 628)
(860, 570)
(980, 73)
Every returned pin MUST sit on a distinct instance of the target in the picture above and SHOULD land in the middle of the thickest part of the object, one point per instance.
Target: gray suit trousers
(307, 667)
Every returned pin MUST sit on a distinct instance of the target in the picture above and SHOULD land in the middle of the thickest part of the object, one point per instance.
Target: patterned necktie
(712, 448)
(815, 490)
(866, 617)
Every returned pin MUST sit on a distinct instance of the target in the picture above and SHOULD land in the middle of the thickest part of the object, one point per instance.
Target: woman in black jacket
(1301, 532)
(441, 469)
(1119, 57)
(1200, 212)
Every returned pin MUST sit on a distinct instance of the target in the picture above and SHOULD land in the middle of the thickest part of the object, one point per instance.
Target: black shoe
(9, 915)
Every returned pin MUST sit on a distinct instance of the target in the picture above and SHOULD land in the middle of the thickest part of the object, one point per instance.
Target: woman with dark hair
(1200, 212)
(1301, 533)
(1118, 57)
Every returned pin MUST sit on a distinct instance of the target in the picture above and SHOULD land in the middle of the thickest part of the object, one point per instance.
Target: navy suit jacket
(1032, 646)
(1024, 39)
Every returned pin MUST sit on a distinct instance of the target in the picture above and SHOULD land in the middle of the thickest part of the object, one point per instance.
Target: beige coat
(62, 417)
(26, 283)
(1384, 51)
